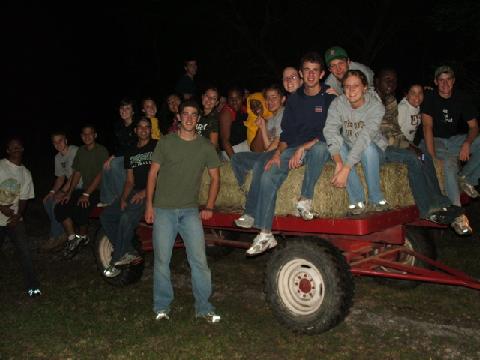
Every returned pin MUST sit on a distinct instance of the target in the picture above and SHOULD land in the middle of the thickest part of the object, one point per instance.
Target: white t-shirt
(15, 184)
(273, 124)
(409, 118)
(63, 163)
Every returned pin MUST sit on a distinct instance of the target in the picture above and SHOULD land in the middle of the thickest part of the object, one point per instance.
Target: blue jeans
(370, 161)
(167, 224)
(422, 179)
(120, 226)
(112, 181)
(448, 150)
(56, 228)
(241, 164)
(271, 180)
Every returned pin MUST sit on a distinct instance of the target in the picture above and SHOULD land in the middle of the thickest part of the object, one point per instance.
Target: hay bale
(328, 201)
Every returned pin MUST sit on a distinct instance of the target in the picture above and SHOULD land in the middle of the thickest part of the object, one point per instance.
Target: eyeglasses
(290, 78)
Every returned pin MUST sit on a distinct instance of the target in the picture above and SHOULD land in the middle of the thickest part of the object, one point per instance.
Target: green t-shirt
(90, 162)
(181, 168)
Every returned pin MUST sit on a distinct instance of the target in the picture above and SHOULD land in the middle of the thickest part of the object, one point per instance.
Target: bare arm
(464, 154)
(207, 212)
(84, 201)
(59, 180)
(214, 139)
(427, 122)
(151, 182)
(225, 122)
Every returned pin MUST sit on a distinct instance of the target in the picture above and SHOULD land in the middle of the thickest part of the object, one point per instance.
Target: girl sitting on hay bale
(352, 132)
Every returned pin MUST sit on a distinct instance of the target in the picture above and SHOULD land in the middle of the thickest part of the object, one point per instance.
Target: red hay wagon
(309, 276)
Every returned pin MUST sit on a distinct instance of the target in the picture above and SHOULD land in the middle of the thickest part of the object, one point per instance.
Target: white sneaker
(162, 315)
(245, 221)
(304, 209)
(126, 259)
(111, 271)
(261, 243)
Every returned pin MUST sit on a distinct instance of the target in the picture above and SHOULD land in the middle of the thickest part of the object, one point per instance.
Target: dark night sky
(71, 65)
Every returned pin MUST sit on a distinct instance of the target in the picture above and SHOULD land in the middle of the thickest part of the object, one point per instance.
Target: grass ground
(80, 316)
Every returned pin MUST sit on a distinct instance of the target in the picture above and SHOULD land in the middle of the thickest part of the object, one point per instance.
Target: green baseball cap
(335, 52)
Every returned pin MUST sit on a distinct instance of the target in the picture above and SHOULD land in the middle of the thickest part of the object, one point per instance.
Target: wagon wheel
(130, 273)
(309, 285)
(415, 240)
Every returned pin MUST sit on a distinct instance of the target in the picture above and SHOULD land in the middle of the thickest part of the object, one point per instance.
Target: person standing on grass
(75, 205)
(174, 180)
(16, 187)
(120, 219)
(63, 172)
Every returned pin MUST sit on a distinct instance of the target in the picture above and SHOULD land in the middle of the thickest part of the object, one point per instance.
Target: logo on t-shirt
(318, 109)
(446, 117)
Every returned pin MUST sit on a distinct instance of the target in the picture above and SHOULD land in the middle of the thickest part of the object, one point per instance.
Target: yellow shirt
(250, 122)
(155, 129)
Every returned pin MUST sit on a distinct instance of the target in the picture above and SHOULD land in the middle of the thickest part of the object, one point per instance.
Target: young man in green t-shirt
(74, 207)
(173, 210)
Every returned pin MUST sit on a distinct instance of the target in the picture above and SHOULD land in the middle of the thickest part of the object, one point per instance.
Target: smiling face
(188, 119)
(173, 102)
(209, 100)
(311, 74)
(291, 79)
(338, 67)
(445, 83)
(126, 112)
(143, 130)
(149, 108)
(235, 100)
(274, 100)
(88, 136)
(59, 143)
(415, 95)
(355, 91)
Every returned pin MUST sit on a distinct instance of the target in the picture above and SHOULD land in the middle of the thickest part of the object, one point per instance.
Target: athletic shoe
(356, 209)
(111, 271)
(461, 225)
(245, 221)
(127, 259)
(466, 187)
(34, 292)
(382, 205)
(445, 216)
(72, 245)
(261, 243)
(162, 315)
(304, 209)
(210, 317)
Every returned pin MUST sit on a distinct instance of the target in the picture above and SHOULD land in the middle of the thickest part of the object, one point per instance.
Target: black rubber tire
(130, 274)
(417, 240)
(322, 266)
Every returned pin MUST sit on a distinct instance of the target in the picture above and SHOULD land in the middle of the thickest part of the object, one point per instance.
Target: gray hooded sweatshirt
(357, 128)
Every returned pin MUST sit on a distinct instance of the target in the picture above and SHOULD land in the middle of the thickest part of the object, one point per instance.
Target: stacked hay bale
(328, 200)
